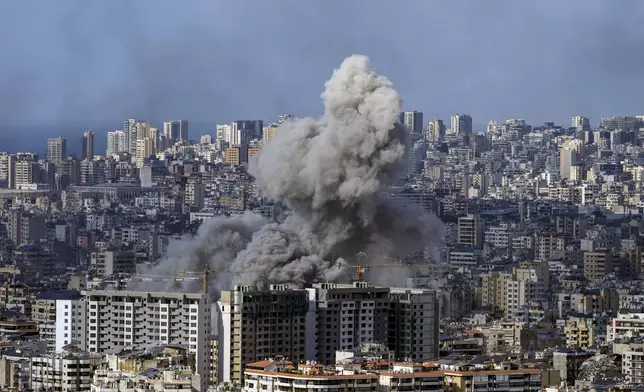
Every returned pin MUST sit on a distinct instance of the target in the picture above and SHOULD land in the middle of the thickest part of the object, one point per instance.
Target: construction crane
(205, 274)
(363, 264)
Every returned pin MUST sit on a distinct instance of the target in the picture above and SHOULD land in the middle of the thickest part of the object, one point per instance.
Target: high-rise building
(47, 174)
(245, 137)
(115, 143)
(224, 133)
(269, 132)
(256, 126)
(24, 172)
(142, 130)
(56, 149)
(129, 136)
(194, 193)
(110, 262)
(92, 172)
(258, 324)
(413, 121)
(88, 144)
(176, 130)
(59, 311)
(435, 131)
(5, 169)
(470, 231)
(68, 172)
(349, 316)
(569, 157)
(620, 122)
(233, 154)
(144, 149)
(154, 136)
(413, 324)
(25, 228)
(352, 315)
(461, 124)
(119, 319)
(580, 122)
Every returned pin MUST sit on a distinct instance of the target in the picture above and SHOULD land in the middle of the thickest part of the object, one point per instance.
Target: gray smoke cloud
(331, 171)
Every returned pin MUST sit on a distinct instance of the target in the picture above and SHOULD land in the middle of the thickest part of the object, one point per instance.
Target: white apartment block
(263, 381)
(525, 286)
(501, 236)
(65, 371)
(117, 319)
(633, 366)
(61, 318)
(625, 325)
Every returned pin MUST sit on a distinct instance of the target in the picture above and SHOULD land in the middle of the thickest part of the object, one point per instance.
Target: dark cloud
(93, 63)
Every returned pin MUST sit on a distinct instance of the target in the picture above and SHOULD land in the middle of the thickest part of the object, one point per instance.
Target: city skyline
(101, 139)
(534, 73)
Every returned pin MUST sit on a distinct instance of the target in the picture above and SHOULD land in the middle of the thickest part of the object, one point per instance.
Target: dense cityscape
(355, 252)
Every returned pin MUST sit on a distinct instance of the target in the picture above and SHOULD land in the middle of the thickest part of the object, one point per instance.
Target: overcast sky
(93, 63)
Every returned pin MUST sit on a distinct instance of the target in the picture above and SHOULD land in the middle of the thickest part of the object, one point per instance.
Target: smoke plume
(331, 171)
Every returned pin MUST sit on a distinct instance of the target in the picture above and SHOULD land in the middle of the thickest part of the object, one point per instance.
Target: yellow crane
(205, 274)
(363, 264)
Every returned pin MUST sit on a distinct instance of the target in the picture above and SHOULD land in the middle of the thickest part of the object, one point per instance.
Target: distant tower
(176, 130)
(413, 121)
(115, 142)
(88, 144)
(56, 149)
(461, 124)
(581, 123)
(569, 157)
(129, 137)
(435, 131)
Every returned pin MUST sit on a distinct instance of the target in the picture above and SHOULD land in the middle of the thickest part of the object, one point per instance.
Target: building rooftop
(60, 295)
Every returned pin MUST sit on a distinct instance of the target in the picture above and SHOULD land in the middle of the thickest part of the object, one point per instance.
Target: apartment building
(116, 319)
(314, 323)
(470, 231)
(494, 285)
(67, 371)
(502, 338)
(625, 325)
(25, 228)
(413, 324)
(580, 332)
(525, 286)
(595, 301)
(494, 380)
(349, 315)
(270, 376)
(109, 262)
(633, 366)
(598, 264)
(352, 315)
(61, 316)
(256, 324)
(273, 376)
